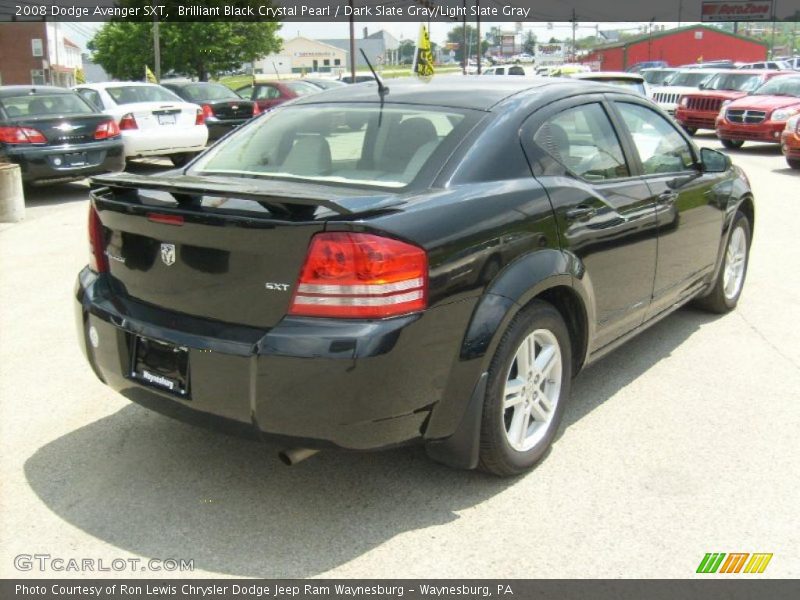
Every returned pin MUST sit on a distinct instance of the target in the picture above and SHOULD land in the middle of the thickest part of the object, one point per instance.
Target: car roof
(16, 90)
(458, 91)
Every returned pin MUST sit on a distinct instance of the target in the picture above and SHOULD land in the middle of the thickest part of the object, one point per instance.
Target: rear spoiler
(276, 196)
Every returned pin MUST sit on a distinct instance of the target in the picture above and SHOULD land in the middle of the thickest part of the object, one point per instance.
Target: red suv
(699, 110)
(761, 116)
(790, 142)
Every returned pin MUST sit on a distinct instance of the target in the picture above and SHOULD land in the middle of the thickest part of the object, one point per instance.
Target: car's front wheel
(529, 383)
(729, 283)
(731, 144)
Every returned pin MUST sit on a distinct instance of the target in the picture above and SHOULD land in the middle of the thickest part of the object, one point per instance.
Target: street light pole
(478, 25)
(352, 43)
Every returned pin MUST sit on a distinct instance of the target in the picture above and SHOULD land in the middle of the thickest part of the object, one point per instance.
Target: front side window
(661, 148)
(130, 94)
(583, 140)
(363, 145)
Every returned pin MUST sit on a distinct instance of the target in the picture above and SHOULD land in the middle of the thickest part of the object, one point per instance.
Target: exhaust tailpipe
(292, 456)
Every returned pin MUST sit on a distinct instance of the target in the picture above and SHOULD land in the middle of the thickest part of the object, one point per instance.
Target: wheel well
(749, 211)
(567, 302)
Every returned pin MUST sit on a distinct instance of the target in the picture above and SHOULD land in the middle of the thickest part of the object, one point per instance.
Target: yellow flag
(149, 76)
(423, 57)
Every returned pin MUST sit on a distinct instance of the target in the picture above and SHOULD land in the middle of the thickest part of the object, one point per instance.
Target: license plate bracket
(160, 365)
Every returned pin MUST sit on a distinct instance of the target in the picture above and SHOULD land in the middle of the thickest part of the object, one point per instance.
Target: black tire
(731, 144)
(180, 160)
(716, 300)
(794, 163)
(496, 454)
(690, 130)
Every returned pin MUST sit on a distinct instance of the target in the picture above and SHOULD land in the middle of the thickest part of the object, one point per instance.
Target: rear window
(360, 145)
(130, 94)
(623, 82)
(208, 92)
(301, 88)
(34, 105)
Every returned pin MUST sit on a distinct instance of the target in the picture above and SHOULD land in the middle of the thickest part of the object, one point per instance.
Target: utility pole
(464, 54)
(478, 25)
(352, 43)
(156, 43)
(772, 42)
(680, 11)
(574, 30)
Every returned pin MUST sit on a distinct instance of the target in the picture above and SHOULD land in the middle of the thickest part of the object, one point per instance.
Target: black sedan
(52, 133)
(224, 110)
(438, 275)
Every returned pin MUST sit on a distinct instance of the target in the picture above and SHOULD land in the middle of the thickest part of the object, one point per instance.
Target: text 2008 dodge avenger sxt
(433, 263)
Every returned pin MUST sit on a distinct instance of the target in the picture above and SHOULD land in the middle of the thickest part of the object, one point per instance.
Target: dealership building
(303, 55)
(680, 46)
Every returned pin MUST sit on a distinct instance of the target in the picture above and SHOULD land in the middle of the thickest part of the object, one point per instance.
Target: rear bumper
(164, 141)
(315, 382)
(218, 128)
(762, 132)
(695, 118)
(46, 163)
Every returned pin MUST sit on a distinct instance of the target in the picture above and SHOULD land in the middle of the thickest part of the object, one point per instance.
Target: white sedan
(153, 120)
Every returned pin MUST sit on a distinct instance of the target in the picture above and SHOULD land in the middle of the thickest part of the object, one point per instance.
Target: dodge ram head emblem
(168, 254)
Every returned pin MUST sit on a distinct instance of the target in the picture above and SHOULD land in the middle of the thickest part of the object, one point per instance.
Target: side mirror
(713, 161)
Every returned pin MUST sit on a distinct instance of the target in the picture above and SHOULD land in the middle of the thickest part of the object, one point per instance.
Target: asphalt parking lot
(683, 442)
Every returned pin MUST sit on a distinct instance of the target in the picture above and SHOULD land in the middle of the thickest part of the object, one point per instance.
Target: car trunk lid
(160, 115)
(214, 247)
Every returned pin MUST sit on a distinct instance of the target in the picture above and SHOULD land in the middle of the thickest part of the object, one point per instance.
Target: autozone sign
(549, 53)
(738, 10)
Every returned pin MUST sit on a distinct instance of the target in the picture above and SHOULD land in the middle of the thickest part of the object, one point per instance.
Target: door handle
(581, 213)
(666, 198)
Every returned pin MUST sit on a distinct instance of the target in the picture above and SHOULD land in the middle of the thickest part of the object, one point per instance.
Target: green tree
(529, 43)
(197, 49)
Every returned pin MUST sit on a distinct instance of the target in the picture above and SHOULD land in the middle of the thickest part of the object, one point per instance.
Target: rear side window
(363, 145)
(267, 92)
(34, 105)
(516, 71)
(583, 140)
(661, 148)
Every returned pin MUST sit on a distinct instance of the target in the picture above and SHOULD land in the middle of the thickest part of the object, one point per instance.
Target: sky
(81, 33)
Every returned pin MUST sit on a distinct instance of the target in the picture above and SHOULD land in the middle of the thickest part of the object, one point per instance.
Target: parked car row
(57, 134)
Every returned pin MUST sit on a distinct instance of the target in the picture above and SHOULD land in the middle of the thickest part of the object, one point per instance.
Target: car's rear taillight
(256, 110)
(208, 112)
(106, 130)
(97, 257)
(21, 135)
(361, 276)
(200, 118)
(128, 122)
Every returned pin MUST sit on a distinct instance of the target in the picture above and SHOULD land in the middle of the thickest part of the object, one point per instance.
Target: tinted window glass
(34, 105)
(780, 86)
(129, 94)
(661, 148)
(267, 92)
(208, 92)
(516, 71)
(583, 140)
(358, 145)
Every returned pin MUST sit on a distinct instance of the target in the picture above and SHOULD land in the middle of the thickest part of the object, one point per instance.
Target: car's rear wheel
(731, 144)
(179, 160)
(529, 382)
(793, 162)
(727, 290)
